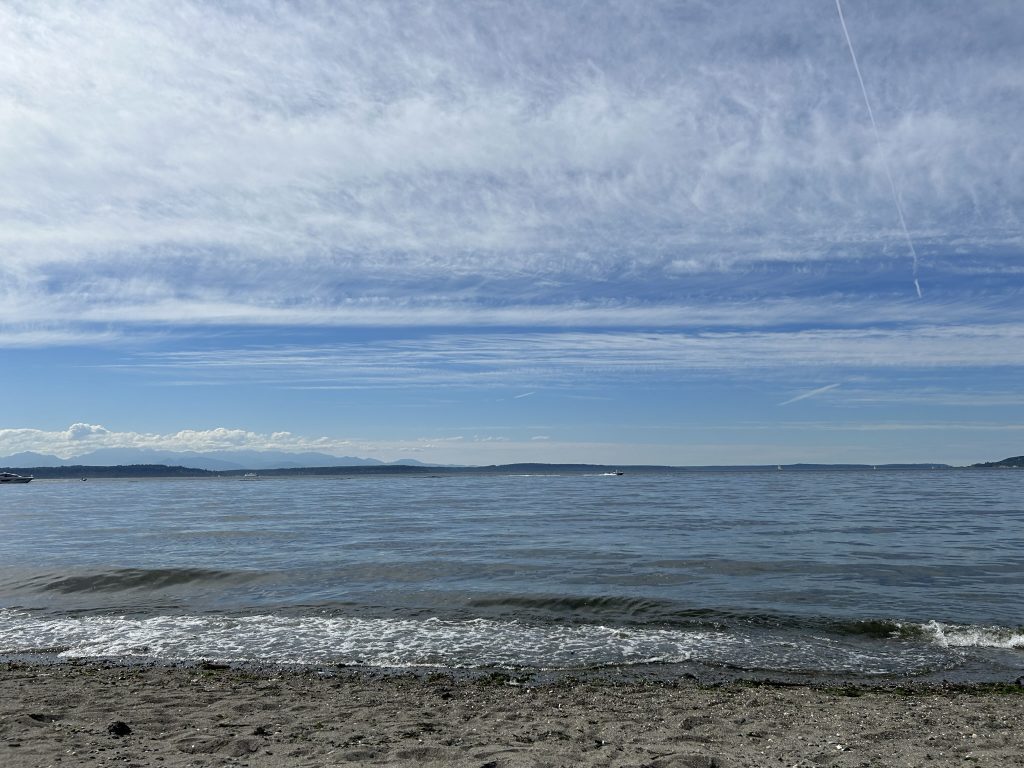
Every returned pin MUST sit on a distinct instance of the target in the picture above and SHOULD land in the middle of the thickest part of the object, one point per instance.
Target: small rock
(119, 728)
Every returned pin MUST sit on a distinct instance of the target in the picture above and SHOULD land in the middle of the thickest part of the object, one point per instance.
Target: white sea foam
(968, 636)
(372, 642)
(478, 643)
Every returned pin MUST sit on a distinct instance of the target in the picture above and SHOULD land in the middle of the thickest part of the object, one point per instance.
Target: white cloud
(108, 313)
(84, 438)
(80, 432)
(645, 191)
(351, 151)
(28, 337)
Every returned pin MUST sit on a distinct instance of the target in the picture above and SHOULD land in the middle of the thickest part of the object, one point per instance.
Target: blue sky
(484, 232)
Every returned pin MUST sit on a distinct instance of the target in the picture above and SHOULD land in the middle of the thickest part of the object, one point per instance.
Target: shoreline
(205, 714)
(695, 674)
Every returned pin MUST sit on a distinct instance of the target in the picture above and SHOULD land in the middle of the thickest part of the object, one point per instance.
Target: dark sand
(65, 714)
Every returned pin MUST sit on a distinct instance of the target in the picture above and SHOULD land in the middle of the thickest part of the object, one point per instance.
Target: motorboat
(10, 477)
(250, 476)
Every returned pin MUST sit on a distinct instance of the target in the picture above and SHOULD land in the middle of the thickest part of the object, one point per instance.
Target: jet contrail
(881, 151)
(812, 393)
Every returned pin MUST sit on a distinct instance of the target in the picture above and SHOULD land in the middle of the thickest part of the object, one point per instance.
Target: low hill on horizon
(1014, 462)
(215, 461)
(70, 471)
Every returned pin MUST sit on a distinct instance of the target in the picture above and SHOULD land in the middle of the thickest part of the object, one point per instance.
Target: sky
(486, 232)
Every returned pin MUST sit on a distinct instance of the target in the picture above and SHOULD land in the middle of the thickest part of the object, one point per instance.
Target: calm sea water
(855, 574)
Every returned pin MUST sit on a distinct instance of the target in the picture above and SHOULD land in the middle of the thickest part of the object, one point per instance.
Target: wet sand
(91, 714)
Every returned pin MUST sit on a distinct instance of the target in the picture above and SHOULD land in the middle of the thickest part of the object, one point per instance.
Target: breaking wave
(459, 644)
(965, 636)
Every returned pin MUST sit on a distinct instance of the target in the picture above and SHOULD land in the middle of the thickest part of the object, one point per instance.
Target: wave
(461, 644)
(124, 579)
(966, 636)
(937, 633)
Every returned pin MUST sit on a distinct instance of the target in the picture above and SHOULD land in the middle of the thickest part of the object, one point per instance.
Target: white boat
(250, 476)
(10, 477)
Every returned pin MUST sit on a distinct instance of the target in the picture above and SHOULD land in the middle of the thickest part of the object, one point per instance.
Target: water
(806, 574)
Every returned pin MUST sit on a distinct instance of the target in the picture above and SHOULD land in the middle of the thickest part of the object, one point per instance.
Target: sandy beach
(74, 714)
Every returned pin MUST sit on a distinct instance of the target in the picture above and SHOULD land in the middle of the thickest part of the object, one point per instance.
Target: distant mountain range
(142, 462)
(217, 461)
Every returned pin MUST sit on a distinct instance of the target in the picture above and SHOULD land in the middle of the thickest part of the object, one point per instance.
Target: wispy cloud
(136, 306)
(403, 197)
(505, 359)
(13, 337)
(348, 153)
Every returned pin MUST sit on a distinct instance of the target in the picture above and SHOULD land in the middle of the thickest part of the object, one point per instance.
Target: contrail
(812, 393)
(881, 151)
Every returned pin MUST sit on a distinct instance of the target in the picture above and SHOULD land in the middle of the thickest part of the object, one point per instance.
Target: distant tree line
(163, 470)
(1014, 462)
